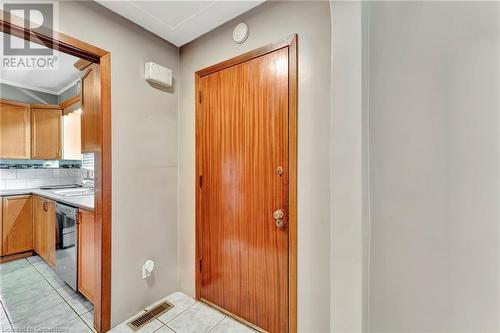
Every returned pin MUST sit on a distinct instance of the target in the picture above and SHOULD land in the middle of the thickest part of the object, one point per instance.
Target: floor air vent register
(149, 315)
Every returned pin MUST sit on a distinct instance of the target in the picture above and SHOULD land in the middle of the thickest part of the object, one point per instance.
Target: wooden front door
(243, 165)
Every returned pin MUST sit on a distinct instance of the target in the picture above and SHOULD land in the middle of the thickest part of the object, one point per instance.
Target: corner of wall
(331, 164)
(179, 138)
(348, 150)
(366, 222)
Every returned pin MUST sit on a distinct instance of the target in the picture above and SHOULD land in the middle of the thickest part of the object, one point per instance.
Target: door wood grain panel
(243, 135)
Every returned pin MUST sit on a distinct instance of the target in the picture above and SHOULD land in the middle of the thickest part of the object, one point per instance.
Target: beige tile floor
(33, 297)
(187, 316)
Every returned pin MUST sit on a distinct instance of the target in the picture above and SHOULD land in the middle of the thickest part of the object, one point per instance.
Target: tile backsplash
(11, 179)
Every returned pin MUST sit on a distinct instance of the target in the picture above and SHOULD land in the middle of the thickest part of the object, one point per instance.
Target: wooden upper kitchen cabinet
(72, 128)
(91, 104)
(17, 224)
(72, 137)
(46, 132)
(86, 260)
(44, 229)
(15, 132)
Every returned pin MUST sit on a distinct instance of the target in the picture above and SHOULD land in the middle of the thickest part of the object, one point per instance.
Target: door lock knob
(278, 214)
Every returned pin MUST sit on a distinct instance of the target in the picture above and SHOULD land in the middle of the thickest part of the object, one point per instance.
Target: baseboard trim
(16, 256)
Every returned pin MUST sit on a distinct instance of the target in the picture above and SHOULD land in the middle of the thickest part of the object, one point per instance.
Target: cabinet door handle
(45, 206)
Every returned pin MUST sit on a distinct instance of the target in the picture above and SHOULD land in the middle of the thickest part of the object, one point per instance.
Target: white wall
(144, 144)
(347, 229)
(268, 23)
(434, 113)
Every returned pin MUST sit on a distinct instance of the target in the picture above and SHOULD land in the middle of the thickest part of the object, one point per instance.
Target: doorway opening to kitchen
(55, 184)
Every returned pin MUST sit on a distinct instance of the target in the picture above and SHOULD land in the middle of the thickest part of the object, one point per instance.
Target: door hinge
(200, 264)
(199, 96)
(200, 180)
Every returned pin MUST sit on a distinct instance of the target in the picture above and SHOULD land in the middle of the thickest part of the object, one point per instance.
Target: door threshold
(235, 317)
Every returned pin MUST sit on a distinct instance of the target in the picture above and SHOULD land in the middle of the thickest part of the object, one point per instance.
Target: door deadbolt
(278, 214)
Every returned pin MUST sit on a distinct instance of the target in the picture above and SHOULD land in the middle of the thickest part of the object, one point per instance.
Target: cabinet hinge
(199, 96)
(200, 181)
(200, 263)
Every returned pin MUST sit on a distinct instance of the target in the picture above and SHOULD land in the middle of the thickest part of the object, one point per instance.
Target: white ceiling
(53, 81)
(179, 22)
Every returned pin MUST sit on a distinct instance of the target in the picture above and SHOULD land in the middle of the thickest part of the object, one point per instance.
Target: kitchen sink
(59, 187)
(74, 192)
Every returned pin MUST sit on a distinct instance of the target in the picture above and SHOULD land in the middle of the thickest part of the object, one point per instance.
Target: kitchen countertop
(85, 202)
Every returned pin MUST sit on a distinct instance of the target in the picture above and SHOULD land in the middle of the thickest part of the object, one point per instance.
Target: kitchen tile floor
(33, 297)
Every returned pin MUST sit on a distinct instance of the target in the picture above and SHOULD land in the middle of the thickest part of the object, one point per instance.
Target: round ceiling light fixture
(240, 33)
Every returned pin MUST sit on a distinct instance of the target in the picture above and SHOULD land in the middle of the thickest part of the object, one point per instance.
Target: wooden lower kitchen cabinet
(86, 260)
(44, 229)
(17, 224)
